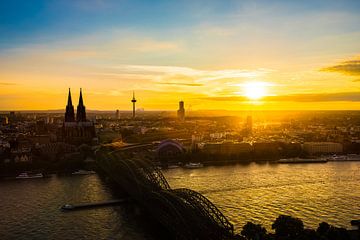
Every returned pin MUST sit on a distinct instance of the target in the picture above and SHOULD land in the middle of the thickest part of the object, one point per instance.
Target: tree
(287, 227)
(253, 231)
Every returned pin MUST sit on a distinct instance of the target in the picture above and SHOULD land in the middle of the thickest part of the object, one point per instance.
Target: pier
(72, 207)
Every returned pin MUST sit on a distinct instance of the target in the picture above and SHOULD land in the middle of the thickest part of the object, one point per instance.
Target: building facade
(181, 111)
(322, 147)
(77, 130)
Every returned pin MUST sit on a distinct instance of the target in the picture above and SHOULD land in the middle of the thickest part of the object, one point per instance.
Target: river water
(29, 209)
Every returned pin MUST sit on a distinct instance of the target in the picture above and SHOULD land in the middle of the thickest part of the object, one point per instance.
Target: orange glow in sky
(280, 53)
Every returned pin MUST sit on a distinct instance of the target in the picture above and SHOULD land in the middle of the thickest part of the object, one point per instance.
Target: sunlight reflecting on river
(260, 192)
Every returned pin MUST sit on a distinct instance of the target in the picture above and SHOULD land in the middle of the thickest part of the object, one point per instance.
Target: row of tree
(290, 228)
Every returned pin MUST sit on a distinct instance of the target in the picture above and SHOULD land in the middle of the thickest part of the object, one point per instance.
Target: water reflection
(259, 193)
(30, 210)
(313, 192)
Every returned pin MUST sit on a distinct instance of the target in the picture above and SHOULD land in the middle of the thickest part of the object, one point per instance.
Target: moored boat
(349, 157)
(26, 175)
(173, 166)
(67, 207)
(193, 165)
(302, 160)
(83, 172)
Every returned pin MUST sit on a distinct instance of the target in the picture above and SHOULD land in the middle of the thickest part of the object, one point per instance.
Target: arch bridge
(183, 212)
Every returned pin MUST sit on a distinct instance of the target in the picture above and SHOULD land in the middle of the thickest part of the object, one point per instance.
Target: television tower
(133, 100)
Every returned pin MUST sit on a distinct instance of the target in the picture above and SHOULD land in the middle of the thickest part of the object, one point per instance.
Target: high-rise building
(133, 100)
(249, 124)
(117, 114)
(181, 111)
(79, 131)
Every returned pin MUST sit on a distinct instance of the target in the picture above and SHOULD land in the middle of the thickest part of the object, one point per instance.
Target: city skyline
(248, 55)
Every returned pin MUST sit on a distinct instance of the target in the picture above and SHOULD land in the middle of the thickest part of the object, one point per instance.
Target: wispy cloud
(183, 84)
(7, 83)
(320, 97)
(192, 73)
(350, 67)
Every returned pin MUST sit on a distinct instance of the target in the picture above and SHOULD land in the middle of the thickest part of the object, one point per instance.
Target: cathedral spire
(81, 113)
(69, 112)
(69, 103)
(81, 98)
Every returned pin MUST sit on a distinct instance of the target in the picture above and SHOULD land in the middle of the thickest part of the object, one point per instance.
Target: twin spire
(80, 113)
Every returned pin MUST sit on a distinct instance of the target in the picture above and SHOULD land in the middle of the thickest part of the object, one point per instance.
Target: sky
(231, 55)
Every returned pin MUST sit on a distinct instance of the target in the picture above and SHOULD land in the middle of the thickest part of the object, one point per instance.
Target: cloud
(7, 83)
(351, 67)
(183, 84)
(186, 72)
(315, 97)
(318, 97)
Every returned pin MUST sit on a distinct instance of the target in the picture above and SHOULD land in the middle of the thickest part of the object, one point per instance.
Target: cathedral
(77, 130)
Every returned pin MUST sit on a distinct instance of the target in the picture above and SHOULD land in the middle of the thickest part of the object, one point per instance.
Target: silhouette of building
(81, 112)
(249, 125)
(117, 114)
(79, 131)
(181, 111)
(4, 120)
(314, 148)
(12, 117)
(170, 151)
(69, 112)
(133, 100)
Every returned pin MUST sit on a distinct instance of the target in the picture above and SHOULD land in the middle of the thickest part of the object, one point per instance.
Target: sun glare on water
(255, 90)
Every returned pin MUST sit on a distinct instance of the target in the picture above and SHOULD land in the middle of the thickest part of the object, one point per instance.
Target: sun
(255, 90)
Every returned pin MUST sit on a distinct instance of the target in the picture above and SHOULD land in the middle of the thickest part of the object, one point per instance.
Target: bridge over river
(183, 212)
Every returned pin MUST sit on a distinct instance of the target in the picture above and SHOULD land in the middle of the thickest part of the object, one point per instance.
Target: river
(255, 192)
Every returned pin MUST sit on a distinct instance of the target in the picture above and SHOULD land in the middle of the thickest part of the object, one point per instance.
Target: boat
(67, 207)
(173, 166)
(353, 157)
(349, 157)
(303, 160)
(26, 175)
(193, 165)
(83, 172)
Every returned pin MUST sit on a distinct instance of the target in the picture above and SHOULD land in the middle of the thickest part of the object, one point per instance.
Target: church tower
(69, 113)
(81, 113)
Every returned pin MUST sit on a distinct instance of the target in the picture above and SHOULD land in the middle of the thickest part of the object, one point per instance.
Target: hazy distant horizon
(218, 111)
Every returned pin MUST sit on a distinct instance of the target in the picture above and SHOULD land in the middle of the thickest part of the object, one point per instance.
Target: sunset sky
(234, 55)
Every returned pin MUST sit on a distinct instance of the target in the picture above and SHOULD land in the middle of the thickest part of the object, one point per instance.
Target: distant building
(266, 150)
(322, 147)
(4, 120)
(249, 125)
(181, 111)
(12, 117)
(117, 114)
(169, 150)
(133, 100)
(227, 148)
(77, 131)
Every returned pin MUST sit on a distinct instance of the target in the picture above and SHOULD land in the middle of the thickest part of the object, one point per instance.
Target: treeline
(290, 228)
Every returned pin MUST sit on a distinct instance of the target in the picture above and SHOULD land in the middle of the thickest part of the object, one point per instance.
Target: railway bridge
(185, 213)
